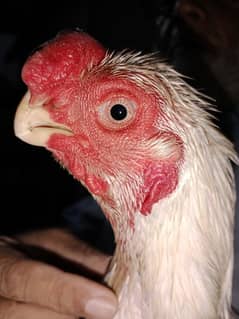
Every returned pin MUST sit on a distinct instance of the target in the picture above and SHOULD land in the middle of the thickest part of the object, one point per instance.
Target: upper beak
(33, 125)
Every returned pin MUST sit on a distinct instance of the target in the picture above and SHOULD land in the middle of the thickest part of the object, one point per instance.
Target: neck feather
(177, 263)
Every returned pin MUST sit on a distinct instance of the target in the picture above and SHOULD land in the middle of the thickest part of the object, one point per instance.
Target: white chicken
(143, 143)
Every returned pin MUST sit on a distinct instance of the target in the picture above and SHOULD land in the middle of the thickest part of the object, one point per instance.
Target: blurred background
(199, 38)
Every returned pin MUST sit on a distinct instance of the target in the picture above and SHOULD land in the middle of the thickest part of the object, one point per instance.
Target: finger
(14, 310)
(43, 285)
(64, 243)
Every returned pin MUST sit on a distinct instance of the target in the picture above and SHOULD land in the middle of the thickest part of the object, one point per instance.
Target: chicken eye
(118, 112)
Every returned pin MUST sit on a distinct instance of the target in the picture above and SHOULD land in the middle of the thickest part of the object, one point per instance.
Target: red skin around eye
(103, 145)
(55, 72)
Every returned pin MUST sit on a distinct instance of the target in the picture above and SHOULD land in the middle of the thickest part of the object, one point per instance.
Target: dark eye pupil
(118, 112)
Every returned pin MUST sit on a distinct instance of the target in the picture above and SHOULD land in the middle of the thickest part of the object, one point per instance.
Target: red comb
(67, 54)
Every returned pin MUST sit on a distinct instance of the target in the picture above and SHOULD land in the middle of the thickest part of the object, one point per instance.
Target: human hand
(30, 288)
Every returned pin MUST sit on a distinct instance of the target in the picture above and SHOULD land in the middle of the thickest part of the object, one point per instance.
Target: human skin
(30, 288)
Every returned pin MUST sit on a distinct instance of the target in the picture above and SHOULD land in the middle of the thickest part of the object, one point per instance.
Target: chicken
(143, 142)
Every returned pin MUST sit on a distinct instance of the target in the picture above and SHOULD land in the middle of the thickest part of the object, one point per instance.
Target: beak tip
(33, 124)
(22, 122)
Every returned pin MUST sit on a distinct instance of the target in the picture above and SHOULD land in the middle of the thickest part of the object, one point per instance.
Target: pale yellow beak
(33, 125)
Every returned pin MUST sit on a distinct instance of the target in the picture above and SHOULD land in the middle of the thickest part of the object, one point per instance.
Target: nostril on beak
(36, 102)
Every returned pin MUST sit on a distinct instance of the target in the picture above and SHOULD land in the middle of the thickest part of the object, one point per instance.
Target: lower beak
(33, 125)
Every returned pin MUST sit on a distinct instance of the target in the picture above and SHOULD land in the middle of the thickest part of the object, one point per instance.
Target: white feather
(177, 262)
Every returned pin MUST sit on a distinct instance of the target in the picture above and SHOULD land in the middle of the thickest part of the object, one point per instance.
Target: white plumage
(176, 262)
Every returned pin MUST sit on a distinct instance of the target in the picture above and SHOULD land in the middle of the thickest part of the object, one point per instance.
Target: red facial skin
(99, 149)
(160, 179)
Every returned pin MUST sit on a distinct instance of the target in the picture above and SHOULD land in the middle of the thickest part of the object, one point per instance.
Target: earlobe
(160, 180)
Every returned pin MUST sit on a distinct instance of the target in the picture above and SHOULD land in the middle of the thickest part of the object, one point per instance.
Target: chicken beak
(33, 125)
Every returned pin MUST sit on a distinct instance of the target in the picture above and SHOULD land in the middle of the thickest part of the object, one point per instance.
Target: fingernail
(101, 308)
